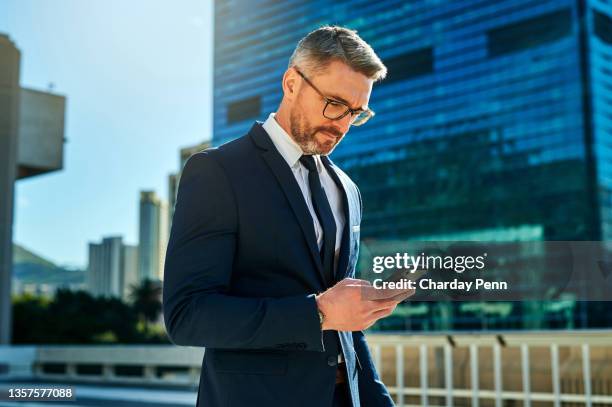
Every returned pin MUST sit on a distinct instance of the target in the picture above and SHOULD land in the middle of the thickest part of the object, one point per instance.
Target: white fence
(576, 346)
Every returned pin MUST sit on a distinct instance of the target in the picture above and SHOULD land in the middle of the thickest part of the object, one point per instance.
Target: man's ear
(290, 84)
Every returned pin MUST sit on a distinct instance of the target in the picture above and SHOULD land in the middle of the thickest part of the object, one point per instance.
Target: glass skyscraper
(495, 122)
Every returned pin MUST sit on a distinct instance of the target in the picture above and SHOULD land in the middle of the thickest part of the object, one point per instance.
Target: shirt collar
(285, 145)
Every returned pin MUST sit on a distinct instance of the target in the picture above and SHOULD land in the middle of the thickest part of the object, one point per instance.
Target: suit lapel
(345, 244)
(291, 189)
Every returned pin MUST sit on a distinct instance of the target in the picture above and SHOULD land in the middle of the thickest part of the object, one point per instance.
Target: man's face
(312, 131)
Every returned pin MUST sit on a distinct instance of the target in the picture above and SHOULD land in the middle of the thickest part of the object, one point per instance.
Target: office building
(153, 236)
(494, 122)
(112, 268)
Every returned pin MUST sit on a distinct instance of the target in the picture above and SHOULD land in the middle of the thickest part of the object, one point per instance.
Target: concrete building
(31, 143)
(153, 236)
(130, 270)
(112, 268)
(173, 179)
(104, 267)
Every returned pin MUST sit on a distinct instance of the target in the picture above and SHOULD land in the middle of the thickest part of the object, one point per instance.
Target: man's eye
(333, 103)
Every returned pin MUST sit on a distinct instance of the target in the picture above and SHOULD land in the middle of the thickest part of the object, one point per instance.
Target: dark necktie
(324, 213)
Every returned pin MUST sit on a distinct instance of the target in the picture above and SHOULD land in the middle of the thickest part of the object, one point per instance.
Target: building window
(409, 65)
(244, 109)
(529, 33)
(603, 26)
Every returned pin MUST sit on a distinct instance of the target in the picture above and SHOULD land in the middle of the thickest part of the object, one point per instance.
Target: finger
(371, 293)
(376, 306)
(354, 281)
(382, 313)
(403, 295)
(358, 286)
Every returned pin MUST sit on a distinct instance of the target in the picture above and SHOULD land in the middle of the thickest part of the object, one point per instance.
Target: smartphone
(406, 275)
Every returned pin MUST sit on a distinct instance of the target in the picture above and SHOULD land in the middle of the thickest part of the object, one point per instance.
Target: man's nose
(343, 124)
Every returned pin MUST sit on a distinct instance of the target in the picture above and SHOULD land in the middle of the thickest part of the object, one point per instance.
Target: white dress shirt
(292, 152)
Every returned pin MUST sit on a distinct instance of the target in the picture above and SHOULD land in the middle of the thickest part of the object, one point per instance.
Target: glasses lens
(335, 110)
(362, 117)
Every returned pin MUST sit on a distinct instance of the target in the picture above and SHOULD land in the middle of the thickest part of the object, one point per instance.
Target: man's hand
(348, 305)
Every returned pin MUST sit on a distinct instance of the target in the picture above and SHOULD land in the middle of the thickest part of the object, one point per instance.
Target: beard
(304, 134)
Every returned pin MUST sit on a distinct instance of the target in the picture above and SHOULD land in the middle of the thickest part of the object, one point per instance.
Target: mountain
(30, 268)
(22, 255)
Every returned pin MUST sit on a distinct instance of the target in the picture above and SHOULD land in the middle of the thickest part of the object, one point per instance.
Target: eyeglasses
(336, 110)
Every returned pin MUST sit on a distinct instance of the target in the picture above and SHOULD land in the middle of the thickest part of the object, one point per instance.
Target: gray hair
(320, 47)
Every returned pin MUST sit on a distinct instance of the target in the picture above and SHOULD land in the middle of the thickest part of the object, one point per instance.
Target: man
(261, 260)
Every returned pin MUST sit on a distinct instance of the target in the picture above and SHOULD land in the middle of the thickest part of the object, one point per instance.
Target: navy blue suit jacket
(242, 268)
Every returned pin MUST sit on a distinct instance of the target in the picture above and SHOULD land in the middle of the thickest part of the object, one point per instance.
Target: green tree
(73, 317)
(29, 316)
(146, 302)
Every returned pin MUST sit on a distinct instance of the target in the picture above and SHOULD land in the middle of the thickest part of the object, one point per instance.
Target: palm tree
(146, 301)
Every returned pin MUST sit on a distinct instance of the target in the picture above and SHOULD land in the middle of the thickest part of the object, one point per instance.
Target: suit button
(332, 360)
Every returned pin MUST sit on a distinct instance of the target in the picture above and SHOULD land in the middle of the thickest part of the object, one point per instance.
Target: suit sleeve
(372, 391)
(198, 268)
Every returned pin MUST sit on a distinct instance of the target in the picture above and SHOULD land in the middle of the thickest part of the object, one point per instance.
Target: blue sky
(137, 75)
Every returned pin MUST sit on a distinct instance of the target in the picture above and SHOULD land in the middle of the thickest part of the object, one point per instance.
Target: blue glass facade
(495, 122)
(600, 71)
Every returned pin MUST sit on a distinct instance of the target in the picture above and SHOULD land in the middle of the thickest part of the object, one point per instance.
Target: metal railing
(449, 394)
(424, 370)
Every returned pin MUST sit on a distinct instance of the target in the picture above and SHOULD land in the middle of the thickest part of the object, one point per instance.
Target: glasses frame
(354, 112)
